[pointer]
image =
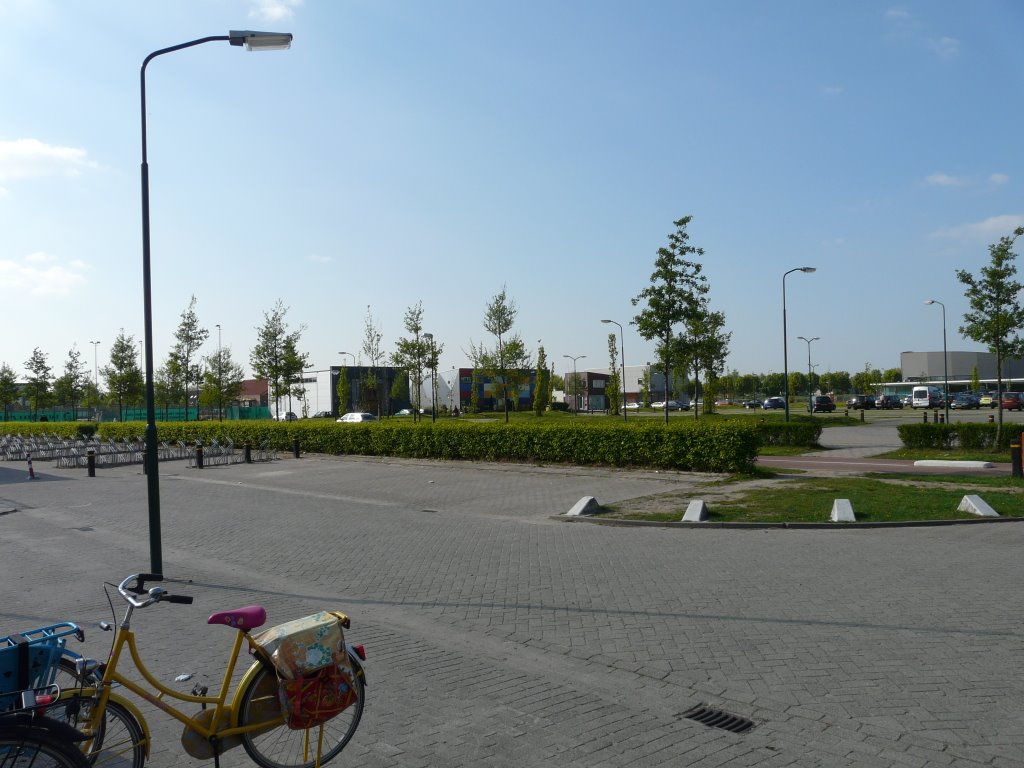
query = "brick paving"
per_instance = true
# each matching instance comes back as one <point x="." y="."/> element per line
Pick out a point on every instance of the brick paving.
<point x="498" y="636"/>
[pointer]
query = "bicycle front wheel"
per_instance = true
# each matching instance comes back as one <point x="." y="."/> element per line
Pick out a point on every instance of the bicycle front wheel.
<point x="283" y="747"/>
<point x="38" y="748"/>
<point x="117" y="741"/>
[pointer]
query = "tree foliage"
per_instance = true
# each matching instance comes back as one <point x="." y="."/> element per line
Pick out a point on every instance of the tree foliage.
<point x="125" y="381"/>
<point x="412" y="354"/>
<point x="995" y="318"/>
<point x="276" y="356"/>
<point x="614" y="387"/>
<point x="542" y="389"/>
<point x="9" y="389"/>
<point x="506" y="362"/>
<point x="222" y="381"/>
<point x="189" y="338"/>
<point x="676" y="295"/>
<point x="69" y="388"/>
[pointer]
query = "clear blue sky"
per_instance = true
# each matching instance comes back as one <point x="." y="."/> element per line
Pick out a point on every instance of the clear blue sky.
<point x="405" y="151"/>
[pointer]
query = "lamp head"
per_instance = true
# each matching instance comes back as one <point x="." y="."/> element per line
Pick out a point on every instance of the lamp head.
<point x="929" y="301"/>
<point x="808" y="269"/>
<point x="260" y="41"/>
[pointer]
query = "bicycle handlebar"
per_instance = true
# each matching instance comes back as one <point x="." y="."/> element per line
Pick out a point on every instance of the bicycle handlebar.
<point x="153" y="595"/>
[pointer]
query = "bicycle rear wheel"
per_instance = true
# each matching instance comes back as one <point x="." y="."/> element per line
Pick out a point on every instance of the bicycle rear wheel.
<point x="283" y="747"/>
<point x="119" y="740"/>
<point x="37" y="748"/>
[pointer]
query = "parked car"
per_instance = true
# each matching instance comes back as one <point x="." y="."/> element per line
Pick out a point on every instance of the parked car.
<point x="822" y="404"/>
<point x="289" y="416"/>
<point x="908" y="400"/>
<point x="1013" y="401"/>
<point x="673" y="405"/>
<point x="773" y="403"/>
<point x="355" y="417"/>
<point x="964" y="401"/>
<point x="926" y="397"/>
<point x="322" y="415"/>
<point x="632" y="406"/>
<point x="752" y="404"/>
<point x="888" y="402"/>
<point x="861" y="403"/>
<point x="987" y="400"/>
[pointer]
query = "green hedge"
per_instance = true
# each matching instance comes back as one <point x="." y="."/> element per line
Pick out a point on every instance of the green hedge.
<point x="805" y="434"/>
<point x="66" y="429"/>
<point x="701" y="446"/>
<point x="962" y="435"/>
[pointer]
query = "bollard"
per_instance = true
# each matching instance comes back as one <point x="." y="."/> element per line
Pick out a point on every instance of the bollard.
<point x="31" y="472"/>
<point x="295" y="447"/>
<point x="942" y="418"/>
<point x="248" y="452"/>
<point x="1015" y="459"/>
<point x="991" y="418"/>
<point x="862" y="414"/>
<point x="90" y="462"/>
<point x="199" y="457"/>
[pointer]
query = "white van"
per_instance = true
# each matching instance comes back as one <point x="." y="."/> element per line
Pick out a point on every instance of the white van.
<point x="926" y="397"/>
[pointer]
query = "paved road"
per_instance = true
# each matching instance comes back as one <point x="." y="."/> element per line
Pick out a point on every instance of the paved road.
<point x="499" y="636"/>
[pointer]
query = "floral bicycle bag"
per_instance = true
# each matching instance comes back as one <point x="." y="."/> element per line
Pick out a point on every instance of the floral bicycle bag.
<point x="315" y="678"/>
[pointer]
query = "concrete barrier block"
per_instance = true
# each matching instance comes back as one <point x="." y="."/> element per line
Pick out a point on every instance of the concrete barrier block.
<point x="976" y="506"/>
<point x="696" y="512"/>
<point x="586" y="506"/>
<point x="842" y="511"/>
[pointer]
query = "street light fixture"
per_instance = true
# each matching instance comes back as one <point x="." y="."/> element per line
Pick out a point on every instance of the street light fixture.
<point x="432" y="364"/>
<point x="785" y="353"/>
<point x="622" y="339"/>
<point x="253" y="41"/>
<point x="350" y="355"/>
<point x="945" y="360"/>
<point x="810" y="405"/>
<point x="575" y="385"/>
<point x="220" y="383"/>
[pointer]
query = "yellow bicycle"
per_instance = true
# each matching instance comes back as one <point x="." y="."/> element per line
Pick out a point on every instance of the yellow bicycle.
<point x="117" y="733"/>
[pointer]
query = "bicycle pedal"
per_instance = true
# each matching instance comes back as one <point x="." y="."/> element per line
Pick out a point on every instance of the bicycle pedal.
<point x="200" y="690"/>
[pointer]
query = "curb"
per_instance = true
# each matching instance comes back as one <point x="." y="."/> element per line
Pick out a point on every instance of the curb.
<point x="779" y="526"/>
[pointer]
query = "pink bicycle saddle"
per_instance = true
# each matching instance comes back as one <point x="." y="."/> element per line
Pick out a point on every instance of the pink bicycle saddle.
<point x="249" y="617"/>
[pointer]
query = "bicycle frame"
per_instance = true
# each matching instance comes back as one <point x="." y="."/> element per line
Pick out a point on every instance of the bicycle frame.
<point x="222" y="712"/>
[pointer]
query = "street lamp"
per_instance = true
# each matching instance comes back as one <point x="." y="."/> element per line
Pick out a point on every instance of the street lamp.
<point x="785" y="354"/>
<point x="810" y="405"/>
<point x="575" y="385"/>
<point x="253" y="41"/>
<point x="945" y="361"/>
<point x="350" y="355"/>
<point x="622" y="339"/>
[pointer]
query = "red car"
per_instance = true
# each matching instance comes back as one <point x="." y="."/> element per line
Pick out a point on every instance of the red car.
<point x="1013" y="401"/>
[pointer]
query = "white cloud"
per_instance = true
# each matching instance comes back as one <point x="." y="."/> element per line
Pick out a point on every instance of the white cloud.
<point x="944" y="180"/>
<point x="320" y="259"/>
<point x="999" y="178"/>
<point x="832" y="90"/>
<point x="897" y="12"/>
<point x="945" y="47"/>
<point x="30" y="278"/>
<point x="989" y="230"/>
<point x="25" y="158"/>
<point x="274" y="10"/>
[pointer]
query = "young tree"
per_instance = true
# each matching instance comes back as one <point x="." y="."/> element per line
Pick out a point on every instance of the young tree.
<point x="613" y="389"/>
<point x="167" y="388"/>
<point x="996" y="319"/>
<point x="412" y="353"/>
<point x="70" y="387"/>
<point x="675" y="295"/>
<point x="125" y="381"/>
<point x="38" y="387"/>
<point x="9" y="389"/>
<point x="975" y="380"/>
<point x="372" y="337"/>
<point x="222" y="381"/>
<point x="709" y="349"/>
<point x="645" y="388"/>
<point x="541" y="389"/>
<point x="344" y="391"/>
<point x="276" y="357"/>
<point x="189" y="339"/>
<point x="510" y="355"/>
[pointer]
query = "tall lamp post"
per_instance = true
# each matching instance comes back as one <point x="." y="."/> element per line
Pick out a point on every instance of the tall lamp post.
<point x="810" y="405"/>
<point x="945" y="359"/>
<point x="253" y="41"/>
<point x="95" y="375"/>
<point x="785" y="352"/>
<point x="432" y="364"/>
<point x="575" y="385"/>
<point x="622" y="339"/>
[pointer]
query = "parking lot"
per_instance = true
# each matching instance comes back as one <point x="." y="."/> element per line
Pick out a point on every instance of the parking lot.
<point x="498" y="635"/>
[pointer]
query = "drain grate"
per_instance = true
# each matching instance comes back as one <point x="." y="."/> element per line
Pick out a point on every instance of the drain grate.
<point x="717" y="718"/>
